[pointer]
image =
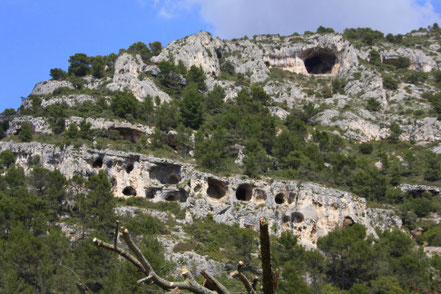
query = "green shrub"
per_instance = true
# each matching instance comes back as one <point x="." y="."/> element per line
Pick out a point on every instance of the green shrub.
<point x="373" y="105"/>
<point x="389" y="82"/>
<point x="366" y="148"/>
<point x="25" y="133"/>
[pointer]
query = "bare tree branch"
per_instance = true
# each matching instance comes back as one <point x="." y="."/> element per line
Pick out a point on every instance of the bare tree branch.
<point x="120" y="251"/>
<point x="218" y="287"/>
<point x="255" y="281"/>
<point x="238" y="274"/>
<point x="115" y="240"/>
<point x="82" y="287"/>
<point x="144" y="266"/>
<point x="267" y="281"/>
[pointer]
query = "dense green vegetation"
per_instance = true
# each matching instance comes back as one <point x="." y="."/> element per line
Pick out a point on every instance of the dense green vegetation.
<point x="37" y="257"/>
<point x="212" y="132"/>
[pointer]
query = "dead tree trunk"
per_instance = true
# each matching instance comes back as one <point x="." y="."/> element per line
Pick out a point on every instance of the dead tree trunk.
<point x="211" y="285"/>
<point x="265" y="253"/>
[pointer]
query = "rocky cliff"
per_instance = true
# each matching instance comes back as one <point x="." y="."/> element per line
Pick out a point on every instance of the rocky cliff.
<point x="308" y="210"/>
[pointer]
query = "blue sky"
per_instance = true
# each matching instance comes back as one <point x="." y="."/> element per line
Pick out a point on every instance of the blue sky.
<point x="37" y="35"/>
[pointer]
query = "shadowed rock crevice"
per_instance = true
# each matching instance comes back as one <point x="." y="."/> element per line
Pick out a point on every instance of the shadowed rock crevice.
<point x="129" y="134"/>
<point x="216" y="189"/>
<point x="166" y="174"/>
<point x="129" y="168"/>
<point x="177" y="196"/>
<point x="150" y="193"/>
<point x="319" y="60"/>
<point x="348" y="221"/>
<point x="98" y="163"/>
<point x="297" y="217"/>
<point x="244" y="192"/>
<point x="129" y="191"/>
<point x="280" y="198"/>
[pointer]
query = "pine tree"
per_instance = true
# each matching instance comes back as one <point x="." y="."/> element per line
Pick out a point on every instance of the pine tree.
<point x="191" y="107"/>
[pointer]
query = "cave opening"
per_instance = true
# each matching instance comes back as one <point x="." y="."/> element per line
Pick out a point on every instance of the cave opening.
<point x="150" y="193"/>
<point x="177" y="196"/>
<point x="98" y="163"/>
<point x="320" y="62"/>
<point x="173" y="179"/>
<point x="280" y="198"/>
<point x="129" y="191"/>
<point x="297" y="217"/>
<point x="244" y="192"/>
<point x="348" y="221"/>
<point x="129" y="168"/>
<point x="216" y="189"/>
<point x="166" y="174"/>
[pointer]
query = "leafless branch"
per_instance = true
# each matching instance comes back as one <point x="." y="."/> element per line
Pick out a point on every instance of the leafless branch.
<point x="238" y="274"/>
<point x="139" y="260"/>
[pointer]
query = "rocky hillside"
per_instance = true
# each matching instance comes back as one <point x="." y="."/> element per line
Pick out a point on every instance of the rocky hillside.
<point x="315" y="132"/>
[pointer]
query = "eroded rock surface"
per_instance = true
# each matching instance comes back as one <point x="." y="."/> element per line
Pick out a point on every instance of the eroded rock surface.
<point x="308" y="210"/>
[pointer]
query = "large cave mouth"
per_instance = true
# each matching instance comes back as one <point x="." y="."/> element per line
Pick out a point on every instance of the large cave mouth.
<point x="319" y="62"/>
<point x="244" y="192"/>
<point x="216" y="189"/>
<point x="166" y="174"/>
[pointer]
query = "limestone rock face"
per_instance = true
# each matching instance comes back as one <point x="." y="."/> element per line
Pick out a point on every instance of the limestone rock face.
<point x="295" y="57"/>
<point x="354" y="126"/>
<point x="200" y="50"/>
<point x="48" y="87"/>
<point x="38" y="125"/>
<point x="69" y="100"/>
<point x="308" y="210"/>
<point x="256" y="57"/>
<point x="126" y="78"/>
<point x="418" y="59"/>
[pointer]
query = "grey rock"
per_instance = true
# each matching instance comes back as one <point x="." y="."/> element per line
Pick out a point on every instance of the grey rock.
<point x="126" y="77"/>
<point x="48" y="87"/>
<point x="301" y="208"/>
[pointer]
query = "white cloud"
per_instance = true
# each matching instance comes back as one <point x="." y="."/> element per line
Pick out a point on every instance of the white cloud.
<point x="235" y="18"/>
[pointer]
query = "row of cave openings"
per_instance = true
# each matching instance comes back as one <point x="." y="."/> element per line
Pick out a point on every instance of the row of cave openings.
<point x="244" y="192"/>
<point x="165" y="174"/>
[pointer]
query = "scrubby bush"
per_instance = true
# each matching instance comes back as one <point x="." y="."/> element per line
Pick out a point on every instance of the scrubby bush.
<point x="25" y="133"/>
<point x="366" y="148"/>
<point x="389" y="82"/>
<point x="373" y="105"/>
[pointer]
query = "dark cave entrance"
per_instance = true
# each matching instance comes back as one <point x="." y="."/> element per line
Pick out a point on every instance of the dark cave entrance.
<point x="319" y="62"/>
<point x="297" y="217"/>
<point x="166" y="174"/>
<point x="280" y="198"/>
<point x="98" y="163"/>
<point x="129" y="191"/>
<point x="177" y="196"/>
<point x="244" y="192"/>
<point x="216" y="189"/>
